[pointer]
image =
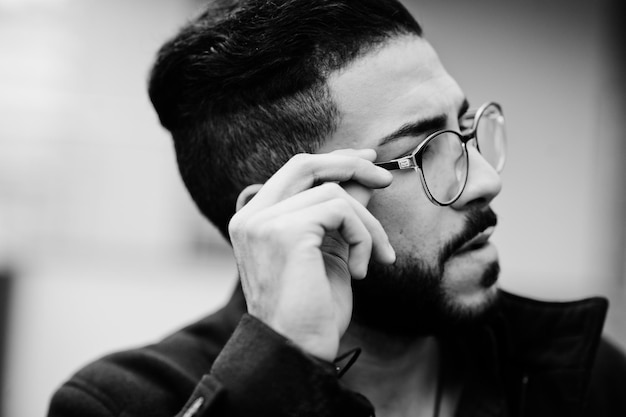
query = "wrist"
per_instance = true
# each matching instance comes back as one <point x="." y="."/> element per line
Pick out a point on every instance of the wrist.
<point x="323" y="344"/>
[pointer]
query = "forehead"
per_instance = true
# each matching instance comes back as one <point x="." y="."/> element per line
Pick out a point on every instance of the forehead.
<point x="399" y="83"/>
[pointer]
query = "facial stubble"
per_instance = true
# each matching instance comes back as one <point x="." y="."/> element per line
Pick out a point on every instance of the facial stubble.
<point x="410" y="298"/>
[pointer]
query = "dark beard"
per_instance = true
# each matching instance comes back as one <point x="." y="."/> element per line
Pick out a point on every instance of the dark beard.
<point x="409" y="299"/>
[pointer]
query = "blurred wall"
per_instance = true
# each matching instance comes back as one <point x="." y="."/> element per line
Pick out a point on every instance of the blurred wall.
<point x="94" y="220"/>
<point x="554" y="66"/>
<point x="109" y="251"/>
<point x="546" y="62"/>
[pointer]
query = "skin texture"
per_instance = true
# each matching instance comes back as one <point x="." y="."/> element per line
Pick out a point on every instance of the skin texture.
<point x="402" y="83"/>
<point x="298" y="245"/>
<point x="294" y="279"/>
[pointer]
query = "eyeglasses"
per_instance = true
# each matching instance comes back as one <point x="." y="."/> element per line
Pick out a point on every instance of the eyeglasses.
<point x="442" y="161"/>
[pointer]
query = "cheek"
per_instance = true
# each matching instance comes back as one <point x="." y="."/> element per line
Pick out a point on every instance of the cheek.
<point x="412" y="222"/>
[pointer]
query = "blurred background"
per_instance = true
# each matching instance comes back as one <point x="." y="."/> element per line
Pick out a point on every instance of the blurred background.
<point x="101" y="249"/>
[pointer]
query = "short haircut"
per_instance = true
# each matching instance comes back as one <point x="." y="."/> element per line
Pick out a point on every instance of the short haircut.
<point x="242" y="87"/>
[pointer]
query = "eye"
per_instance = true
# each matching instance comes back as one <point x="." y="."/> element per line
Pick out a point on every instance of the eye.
<point x="466" y="121"/>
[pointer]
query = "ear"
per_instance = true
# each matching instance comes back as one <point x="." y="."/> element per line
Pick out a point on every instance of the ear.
<point x="247" y="194"/>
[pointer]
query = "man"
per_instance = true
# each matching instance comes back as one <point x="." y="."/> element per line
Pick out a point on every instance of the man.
<point x="325" y="139"/>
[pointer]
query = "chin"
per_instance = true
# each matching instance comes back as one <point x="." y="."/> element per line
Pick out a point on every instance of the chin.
<point x="409" y="299"/>
<point x="471" y="296"/>
<point x="471" y="305"/>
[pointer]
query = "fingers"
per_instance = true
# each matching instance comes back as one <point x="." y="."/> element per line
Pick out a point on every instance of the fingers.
<point x="301" y="237"/>
<point x="336" y="215"/>
<point x="305" y="171"/>
<point x="332" y="208"/>
<point x="313" y="195"/>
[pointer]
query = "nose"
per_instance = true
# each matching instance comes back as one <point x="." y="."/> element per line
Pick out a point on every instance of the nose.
<point x="483" y="182"/>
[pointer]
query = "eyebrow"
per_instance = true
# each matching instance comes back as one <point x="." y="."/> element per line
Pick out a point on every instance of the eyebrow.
<point x="421" y="126"/>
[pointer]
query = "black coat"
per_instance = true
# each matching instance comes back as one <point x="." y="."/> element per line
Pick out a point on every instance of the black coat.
<point x="532" y="359"/>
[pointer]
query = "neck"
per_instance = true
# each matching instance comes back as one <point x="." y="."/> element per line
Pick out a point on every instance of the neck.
<point x="397" y="374"/>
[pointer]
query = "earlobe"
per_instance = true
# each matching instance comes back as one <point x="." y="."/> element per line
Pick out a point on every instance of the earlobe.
<point x="247" y="194"/>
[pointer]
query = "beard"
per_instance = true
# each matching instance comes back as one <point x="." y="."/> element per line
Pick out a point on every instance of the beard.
<point x="410" y="299"/>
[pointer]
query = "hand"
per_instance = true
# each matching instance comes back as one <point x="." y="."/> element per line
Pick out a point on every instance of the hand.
<point x="298" y="244"/>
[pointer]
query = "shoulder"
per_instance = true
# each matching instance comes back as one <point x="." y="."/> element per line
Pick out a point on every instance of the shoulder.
<point x="155" y="377"/>
<point x="610" y="361"/>
<point x="608" y="379"/>
<point x="160" y="377"/>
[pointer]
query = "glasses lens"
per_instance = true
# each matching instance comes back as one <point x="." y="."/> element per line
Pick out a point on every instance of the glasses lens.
<point x="491" y="137"/>
<point x="444" y="166"/>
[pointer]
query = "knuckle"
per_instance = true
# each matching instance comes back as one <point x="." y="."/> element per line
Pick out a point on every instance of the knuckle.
<point x="244" y="228"/>
<point x="300" y="159"/>
<point x="332" y="188"/>
<point x="234" y="226"/>
<point x="307" y="165"/>
<point x="368" y="240"/>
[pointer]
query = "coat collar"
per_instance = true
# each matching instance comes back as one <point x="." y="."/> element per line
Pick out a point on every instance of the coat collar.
<point x="532" y="358"/>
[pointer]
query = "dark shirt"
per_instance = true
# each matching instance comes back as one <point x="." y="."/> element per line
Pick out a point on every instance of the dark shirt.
<point x="531" y="359"/>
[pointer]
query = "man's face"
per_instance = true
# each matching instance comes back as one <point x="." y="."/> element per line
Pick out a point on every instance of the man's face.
<point x="400" y="84"/>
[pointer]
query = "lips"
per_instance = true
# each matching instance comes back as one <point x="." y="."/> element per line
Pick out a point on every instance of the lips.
<point x="479" y="226"/>
<point x="477" y="241"/>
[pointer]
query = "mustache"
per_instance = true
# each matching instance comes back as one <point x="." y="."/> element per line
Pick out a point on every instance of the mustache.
<point x="477" y="220"/>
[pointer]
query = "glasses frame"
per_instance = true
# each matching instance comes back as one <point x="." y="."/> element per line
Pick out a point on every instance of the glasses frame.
<point x="411" y="161"/>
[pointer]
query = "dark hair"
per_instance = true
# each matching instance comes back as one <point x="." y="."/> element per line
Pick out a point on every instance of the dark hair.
<point x="242" y="87"/>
